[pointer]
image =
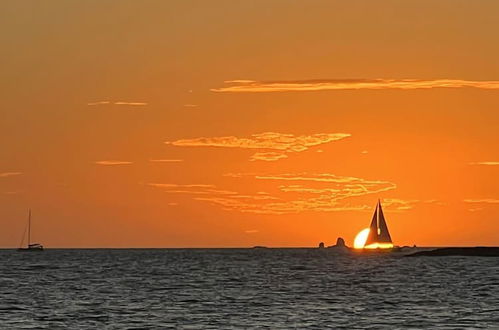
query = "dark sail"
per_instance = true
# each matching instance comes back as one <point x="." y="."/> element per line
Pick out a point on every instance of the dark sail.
<point x="373" y="229"/>
<point x="379" y="236"/>
<point x="383" y="234"/>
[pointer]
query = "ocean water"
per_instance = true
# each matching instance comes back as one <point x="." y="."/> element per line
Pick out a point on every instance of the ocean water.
<point x="244" y="289"/>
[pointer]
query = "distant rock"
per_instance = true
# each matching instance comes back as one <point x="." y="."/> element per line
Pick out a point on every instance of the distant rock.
<point x="321" y="245"/>
<point x="340" y="245"/>
<point x="340" y="242"/>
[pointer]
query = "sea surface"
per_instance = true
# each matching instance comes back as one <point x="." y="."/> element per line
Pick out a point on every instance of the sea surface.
<point x="245" y="289"/>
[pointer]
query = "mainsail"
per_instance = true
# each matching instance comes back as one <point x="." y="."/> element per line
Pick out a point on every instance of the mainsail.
<point x="383" y="233"/>
<point x="373" y="229"/>
<point x="378" y="230"/>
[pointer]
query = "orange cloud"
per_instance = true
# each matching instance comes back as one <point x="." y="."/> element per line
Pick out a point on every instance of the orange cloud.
<point x="292" y="198"/>
<point x="321" y="204"/>
<point x="283" y="143"/>
<point x="238" y="86"/>
<point x="193" y="189"/>
<point x="98" y="103"/>
<point x="166" y="160"/>
<point x="116" y="103"/>
<point x="251" y="231"/>
<point x="320" y="177"/>
<point x="268" y="156"/>
<point x="130" y="103"/>
<point x="174" y="185"/>
<point x="7" y="174"/>
<point x="484" y="200"/>
<point x="481" y="203"/>
<point x="399" y="204"/>
<point x="484" y="163"/>
<point x="112" y="162"/>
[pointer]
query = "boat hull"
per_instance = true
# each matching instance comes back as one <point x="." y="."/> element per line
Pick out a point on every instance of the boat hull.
<point x="40" y="249"/>
<point x="377" y="251"/>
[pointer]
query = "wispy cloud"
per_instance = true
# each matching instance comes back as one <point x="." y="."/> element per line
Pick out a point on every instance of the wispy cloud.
<point x="251" y="231"/>
<point x="98" y="103"/>
<point x="434" y="201"/>
<point x="331" y="195"/>
<point x="174" y="185"/>
<point x="116" y="103"/>
<point x="112" y="162"/>
<point x="238" y="86"/>
<point x="191" y="189"/>
<point x="483" y="200"/>
<point x="319" y="204"/>
<point x="166" y="160"/>
<point x="349" y="181"/>
<point x="278" y="142"/>
<point x="485" y="163"/>
<point x="267" y="140"/>
<point x="399" y="204"/>
<point x="480" y="204"/>
<point x="7" y="174"/>
<point x="268" y="156"/>
<point x="130" y="103"/>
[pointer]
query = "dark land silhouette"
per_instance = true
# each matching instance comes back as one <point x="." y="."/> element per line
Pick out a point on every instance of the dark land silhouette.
<point x="480" y="251"/>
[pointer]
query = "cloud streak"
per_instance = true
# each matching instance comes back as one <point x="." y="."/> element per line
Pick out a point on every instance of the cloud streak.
<point x="483" y="201"/>
<point x="8" y="174"/>
<point x="268" y="156"/>
<point x="112" y="162"/>
<point x="331" y="194"/>
<point x="485" y="163"/>
<point x="97" y="103"/>
<point x="174" y="185"/>
<point x="274" y="145"/>
<point x="245" y="86"/>
<point x="166" y="160"/>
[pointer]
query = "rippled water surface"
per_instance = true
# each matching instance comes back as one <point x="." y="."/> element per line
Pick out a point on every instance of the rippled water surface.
<point x="244" y="288"/>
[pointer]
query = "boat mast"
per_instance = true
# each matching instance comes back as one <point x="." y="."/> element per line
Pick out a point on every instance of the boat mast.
<point x="378" y="208"/>
<point x="29" y="227"/>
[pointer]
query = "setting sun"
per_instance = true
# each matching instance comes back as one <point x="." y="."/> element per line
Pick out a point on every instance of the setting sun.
<point x="360" y="239"/>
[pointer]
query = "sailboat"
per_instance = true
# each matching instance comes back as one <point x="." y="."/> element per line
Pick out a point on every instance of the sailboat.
<point x="379" y="236"/>
<point x="31" y="247"/>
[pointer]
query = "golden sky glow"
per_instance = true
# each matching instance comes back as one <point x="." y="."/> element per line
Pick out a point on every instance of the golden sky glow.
<point x="267" y="122"/>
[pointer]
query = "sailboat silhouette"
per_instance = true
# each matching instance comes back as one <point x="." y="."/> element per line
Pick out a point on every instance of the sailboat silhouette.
<point x="379" y="236"/>
<point x="31" y="246"/>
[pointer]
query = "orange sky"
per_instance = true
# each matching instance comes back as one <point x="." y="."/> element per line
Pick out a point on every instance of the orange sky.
<point x="241" y="123"/>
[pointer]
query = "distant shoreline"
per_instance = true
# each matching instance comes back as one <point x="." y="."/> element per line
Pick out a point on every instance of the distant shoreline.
<point x="478" y="251"/>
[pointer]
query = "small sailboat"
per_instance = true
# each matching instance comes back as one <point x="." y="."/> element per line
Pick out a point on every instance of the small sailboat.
<point x="379" y="236"/>
<point x="31" y="247"/>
